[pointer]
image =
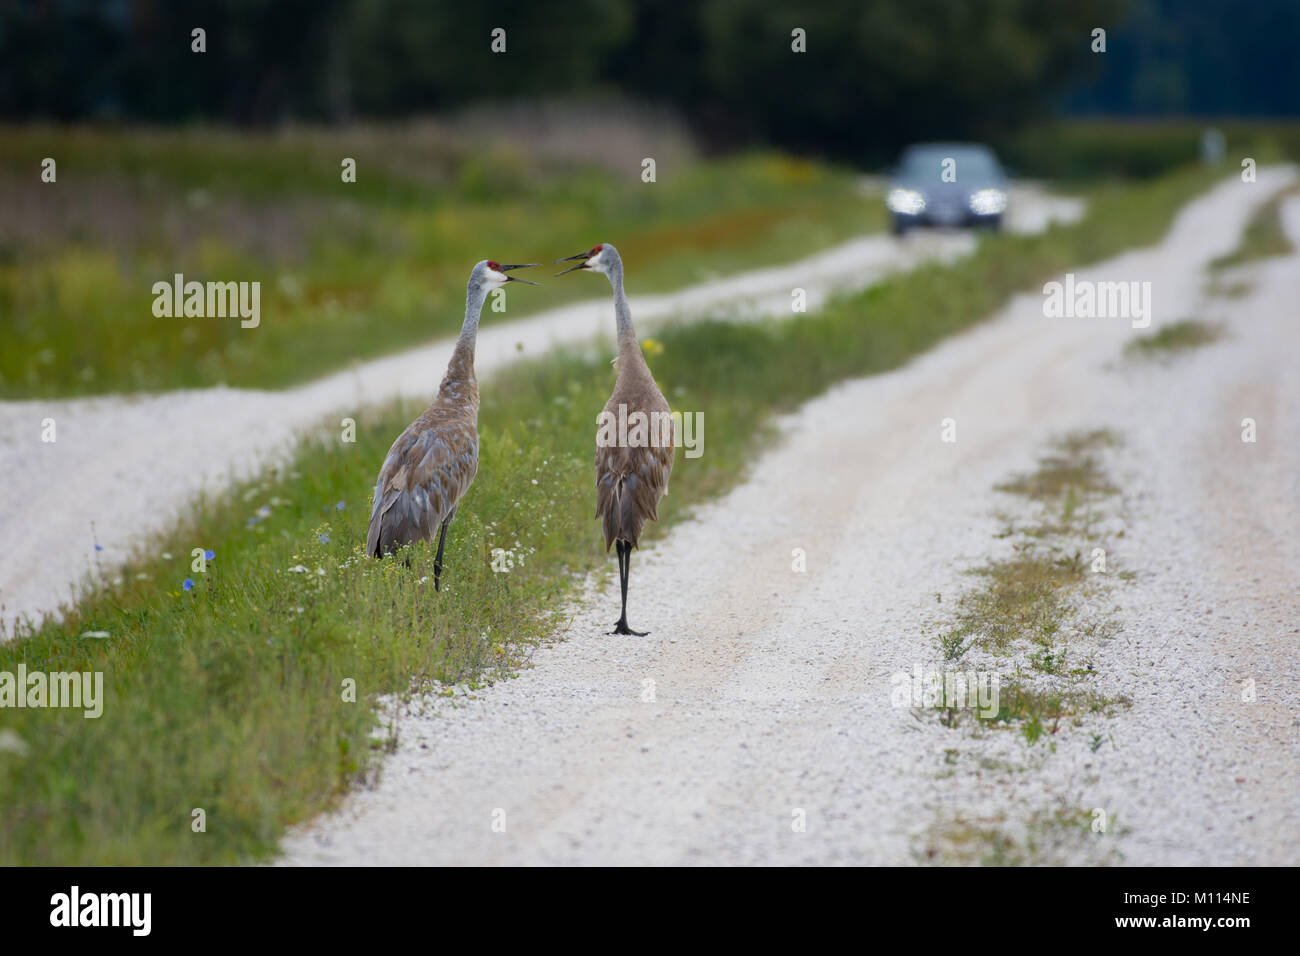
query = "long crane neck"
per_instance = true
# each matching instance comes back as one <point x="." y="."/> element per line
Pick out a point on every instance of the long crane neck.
<point x="629" y="350"/>
<point x="461" y="366"/>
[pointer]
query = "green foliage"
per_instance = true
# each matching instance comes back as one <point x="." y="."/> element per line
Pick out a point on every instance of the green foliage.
<point x="345" y="275"/>
<point x="1083" y="149"/>
<point x="1173" y="338"/>
<point x="1265" y="236"/>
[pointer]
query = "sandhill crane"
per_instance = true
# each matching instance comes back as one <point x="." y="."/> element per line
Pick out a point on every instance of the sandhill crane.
<point x="631" y="475"/>
<point x="432" y="463"/>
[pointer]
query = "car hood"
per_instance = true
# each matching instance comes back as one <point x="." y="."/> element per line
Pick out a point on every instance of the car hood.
<point x="938" y="190"/>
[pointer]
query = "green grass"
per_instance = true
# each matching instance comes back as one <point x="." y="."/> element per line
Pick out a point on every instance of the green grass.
<point x="1034" y="616"/>
<point x="347" y="271"/>
<point x="1174" y="338"/>
<point x="1264" y="237"/>
<point x="1028" y="598"/>
<point x="1086" y="149"/>
<point x="1052" y="836"/>
<point x="228" y="696"/>
<point x="1032" y="606"/>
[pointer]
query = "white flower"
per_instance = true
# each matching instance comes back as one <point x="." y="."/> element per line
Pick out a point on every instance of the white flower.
<point x="95" y="634"/>
<point x="11" y="743"/>
<point x="298" y="569"/>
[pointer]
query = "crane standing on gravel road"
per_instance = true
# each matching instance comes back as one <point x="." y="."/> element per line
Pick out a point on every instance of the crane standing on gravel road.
<point x="631" y="478"/>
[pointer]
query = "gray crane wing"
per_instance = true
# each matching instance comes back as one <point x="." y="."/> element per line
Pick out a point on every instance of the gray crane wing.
<point x="428" y="470"/>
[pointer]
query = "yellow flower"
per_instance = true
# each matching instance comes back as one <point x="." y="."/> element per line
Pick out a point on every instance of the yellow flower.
<point x="652" y="347"/>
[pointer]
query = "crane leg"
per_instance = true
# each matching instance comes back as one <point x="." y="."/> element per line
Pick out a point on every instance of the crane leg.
<point x="437" y="559"/>
<point x="624" y="572"/>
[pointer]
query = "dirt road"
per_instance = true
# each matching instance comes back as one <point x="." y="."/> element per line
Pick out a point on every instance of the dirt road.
<point x="762" y="693"/>
<point x="131" y="465"/>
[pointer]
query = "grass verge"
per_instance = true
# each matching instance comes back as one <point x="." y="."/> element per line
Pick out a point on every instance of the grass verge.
<point x="1174" y="339"/>
<point x="1265" y="236"/>
<point x="347" y="271"/>
<point x="230" y="696"/>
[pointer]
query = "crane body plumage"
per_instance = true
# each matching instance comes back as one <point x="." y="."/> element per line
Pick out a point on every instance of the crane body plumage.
<point x="433" y="462"/>
<point x="631" y="479"/>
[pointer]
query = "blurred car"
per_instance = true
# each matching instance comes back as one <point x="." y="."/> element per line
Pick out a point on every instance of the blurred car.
<point x="947" y="184"/>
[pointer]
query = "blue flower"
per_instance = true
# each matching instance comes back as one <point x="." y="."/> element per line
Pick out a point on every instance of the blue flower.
<point x="189" y="583"/>
<point x="324" y="538"/>
<point x="339" y="506"/>
<point x="209" y="555"/>
<point x="99" y="547"/>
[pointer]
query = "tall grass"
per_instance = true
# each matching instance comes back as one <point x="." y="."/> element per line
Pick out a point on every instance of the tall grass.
<point x="347" y="271"/>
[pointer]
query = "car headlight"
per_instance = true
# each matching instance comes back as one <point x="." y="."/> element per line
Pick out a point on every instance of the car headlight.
<point x="906" y="201"/>
<point x="988" y="202"/>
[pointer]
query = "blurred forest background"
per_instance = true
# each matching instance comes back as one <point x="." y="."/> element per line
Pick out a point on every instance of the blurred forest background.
<point x="876" y="75"/>
<point x="227" y="162"/>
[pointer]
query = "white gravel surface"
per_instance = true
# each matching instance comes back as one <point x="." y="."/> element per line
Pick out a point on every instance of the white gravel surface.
<point x="771" y="689"/>
<point x="132" y="465"/>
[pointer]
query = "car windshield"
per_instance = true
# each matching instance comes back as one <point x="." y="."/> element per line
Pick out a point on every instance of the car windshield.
<point x="971" y="163"/>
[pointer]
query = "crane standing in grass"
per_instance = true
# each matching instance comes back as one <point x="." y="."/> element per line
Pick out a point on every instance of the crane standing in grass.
<point x="631" y="477"/>
<point x="432" y="463"/>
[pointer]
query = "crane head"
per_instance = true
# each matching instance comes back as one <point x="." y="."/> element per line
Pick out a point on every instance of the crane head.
<point x="492" y="275"/>
<point x="599" y="259"/>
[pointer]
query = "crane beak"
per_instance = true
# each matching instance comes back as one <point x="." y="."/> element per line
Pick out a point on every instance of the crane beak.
<point x="581" y="265"/>
<point x="522" y="265"/>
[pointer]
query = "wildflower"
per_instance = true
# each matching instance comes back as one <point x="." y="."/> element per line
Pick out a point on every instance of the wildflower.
<point x="209" y="555"/>
<point x="98" y="546"/>
<point x="298" y="569"/>
<point x="264" y="511"/>
<point x="98" y="635"/>
<point x="11" y="743"/>
<point x="188" y="584"/>
<point x="339" y="506"/>
<point x="167" y="555"/>
<point x="324" y="538"/>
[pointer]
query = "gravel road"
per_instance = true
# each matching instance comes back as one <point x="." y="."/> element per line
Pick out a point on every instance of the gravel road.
<point x="761" y="693"/>
<point x="131" y="465"/>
